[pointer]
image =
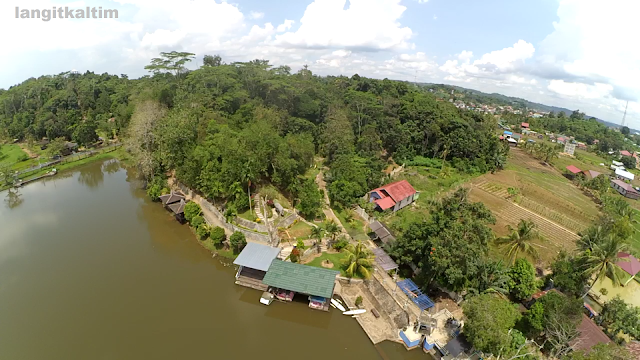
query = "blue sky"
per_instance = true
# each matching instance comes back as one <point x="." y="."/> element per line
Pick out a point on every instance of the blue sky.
<point x="569" y="53"/>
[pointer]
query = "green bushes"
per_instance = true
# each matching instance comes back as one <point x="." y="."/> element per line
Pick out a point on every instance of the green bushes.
<point x="359" y="301"/>
<point x="237" y="241"/>
<point x="191" y="210"/>
<point x="156" y="187"/>
<point x="341" y="243"/>
<point x="218" y="235"/>
<point x="196" y="221"/>
<point x="202" y="232"/>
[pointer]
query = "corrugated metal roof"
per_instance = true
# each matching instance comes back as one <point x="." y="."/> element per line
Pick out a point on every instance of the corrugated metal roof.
<point x="384" y="260"/>
<point x="385" y="203"/>
<point x="398" y="190"/>
<point x="631" y="265"/>
<point x="257" y="256"/>
<point x="573" y="169"/>
<point x="625" y="174"/>
<point x="590" y="335"/>
<point x="301" y="278"/>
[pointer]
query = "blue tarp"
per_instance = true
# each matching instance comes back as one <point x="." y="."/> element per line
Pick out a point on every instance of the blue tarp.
<point x="508" y="133"/>
<point x="413" y="291"/>
<point x="317" y="298"/>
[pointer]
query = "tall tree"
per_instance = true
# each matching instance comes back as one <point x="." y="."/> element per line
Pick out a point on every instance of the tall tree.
<point x="520" y="240"/>
<point x="173" y="62"/>
<point x="600" y="261"/>
<point x="358" y="260"/>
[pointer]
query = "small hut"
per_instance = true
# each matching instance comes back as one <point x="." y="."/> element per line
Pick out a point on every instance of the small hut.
<point x="178" y="210"/>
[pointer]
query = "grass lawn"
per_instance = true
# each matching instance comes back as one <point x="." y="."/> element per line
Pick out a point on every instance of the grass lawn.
<point x="355" y="228"/>
<point x="273" y="193"/>
<point x="208" y="244"/>
<point x="248" y="215"/>
<point x="335" y="258"/>
<point x="119" y="154"/>
<point x="13" y="155"/>
<point x="299" y="230"/>
<point x="432" y="183"/>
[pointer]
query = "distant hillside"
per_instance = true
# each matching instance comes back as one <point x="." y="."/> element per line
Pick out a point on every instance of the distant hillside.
<point x="503" y="100"/>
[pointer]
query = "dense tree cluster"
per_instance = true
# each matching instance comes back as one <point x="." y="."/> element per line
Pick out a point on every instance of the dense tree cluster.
<point x="224" y="126"/>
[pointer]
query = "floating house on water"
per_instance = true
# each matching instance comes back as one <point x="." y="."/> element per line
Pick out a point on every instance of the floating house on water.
<point x="254" y="261"/>
<point x="291" y="278"/>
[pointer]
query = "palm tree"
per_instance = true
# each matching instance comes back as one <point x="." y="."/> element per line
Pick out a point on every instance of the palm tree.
<point x="520" y="240"/>
<point x="332" y="229"/>
<point x="491" y="278"/>
<point x="593" y="236"/>
<point x="601" y="260"/>
<point x="316" y="233"/>
<point x="358" y="261"/>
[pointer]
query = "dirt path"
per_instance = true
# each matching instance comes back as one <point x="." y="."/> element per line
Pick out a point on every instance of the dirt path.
<point x="328" y="212"/>
<point x="31" y="154"/>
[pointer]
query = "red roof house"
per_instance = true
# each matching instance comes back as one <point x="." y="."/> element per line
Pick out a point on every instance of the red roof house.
<point x="625" y="153"/>
<point x="590" y="335"/>
<point x="524" y="125"/>
<point x="591" y="174"/>
<point x="574" y="170"/>
<point x="393" y="196"/>
<point x="629" y="264"/>
<point x="625" y="189"/>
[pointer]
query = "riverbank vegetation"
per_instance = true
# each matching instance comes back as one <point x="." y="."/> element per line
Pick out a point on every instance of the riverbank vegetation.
<point x="229" y="130"/>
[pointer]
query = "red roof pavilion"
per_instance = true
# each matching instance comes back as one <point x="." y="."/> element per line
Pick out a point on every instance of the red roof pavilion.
<point x="573" y="169"/>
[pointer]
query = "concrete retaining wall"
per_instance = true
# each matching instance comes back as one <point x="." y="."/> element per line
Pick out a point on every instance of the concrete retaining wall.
<point x="287" y="221"/>
<point x="251" y="225"/>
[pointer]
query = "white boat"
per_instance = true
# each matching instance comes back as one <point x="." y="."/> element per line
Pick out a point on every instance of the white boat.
<point x="354" y="312"/>
<point x="337" y="305"/>
<point x="266" y="298"/>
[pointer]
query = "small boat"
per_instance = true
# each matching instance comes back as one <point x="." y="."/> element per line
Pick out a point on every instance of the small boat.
<point x="354" y="312"/>
<point x="266" y="298"/>
<point x="337" y="305"/>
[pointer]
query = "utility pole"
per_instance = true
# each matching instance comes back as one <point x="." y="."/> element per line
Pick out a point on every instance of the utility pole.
<point x="624" y="117"/>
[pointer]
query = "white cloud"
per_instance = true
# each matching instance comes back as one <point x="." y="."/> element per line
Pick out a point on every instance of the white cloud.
<point x="366" y="24"/>
<point x="435" y="17"/>
<point x="256" y="15"/>
<point x="580" y="90"/>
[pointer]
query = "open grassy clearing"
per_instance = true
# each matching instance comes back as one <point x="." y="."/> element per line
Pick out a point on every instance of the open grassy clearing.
<point x="272" y="193"/>
<point x="432" y="183"/>
<point x="355" y="227"/>
<point x="300" y="230"/>
<point x="335" y="258"/>
<point x="13" y="155"/>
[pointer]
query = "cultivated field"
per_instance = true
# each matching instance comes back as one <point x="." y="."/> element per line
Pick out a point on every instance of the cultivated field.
<point x="542" y="194"/>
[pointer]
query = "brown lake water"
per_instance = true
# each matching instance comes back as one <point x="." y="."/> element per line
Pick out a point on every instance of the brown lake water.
<point x="91" y="269"/>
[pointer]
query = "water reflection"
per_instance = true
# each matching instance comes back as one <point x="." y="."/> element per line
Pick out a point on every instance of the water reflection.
<point x="13" y="198"/>
<point x="111" y="166"/>
<point x="91" y="176"/>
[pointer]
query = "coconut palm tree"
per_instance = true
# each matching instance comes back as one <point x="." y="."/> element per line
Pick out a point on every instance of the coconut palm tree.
<point x="601" y="261"/>
<point x="317" y="233"/>
<point x="520" y="240"/>
<point x="332" y="229"/>
<point x="593" y="235"/>
<point x="358" y="260"/>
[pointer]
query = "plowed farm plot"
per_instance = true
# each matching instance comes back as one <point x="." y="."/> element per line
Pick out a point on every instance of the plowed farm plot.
<point x="555" y="236"/>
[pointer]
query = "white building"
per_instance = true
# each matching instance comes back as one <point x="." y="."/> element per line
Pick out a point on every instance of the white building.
<point x="624" y="175"/>
<point x="569" y="148"/>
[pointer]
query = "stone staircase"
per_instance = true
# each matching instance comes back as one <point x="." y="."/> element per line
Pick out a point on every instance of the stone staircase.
<point x="258" y="210"/>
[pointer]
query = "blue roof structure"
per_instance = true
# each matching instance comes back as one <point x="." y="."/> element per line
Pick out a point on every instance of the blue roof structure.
<point x="508" y="133"/>
<point x="413" y="292"/>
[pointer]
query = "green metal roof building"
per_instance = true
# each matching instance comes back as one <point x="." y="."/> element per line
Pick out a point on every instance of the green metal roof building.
<point x="301" y="278"/>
